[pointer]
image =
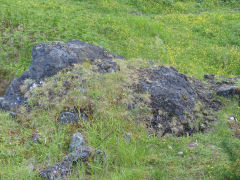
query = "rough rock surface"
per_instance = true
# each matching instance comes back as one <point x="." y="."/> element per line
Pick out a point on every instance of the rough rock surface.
<point x="68" y="117"/>
<point x="227" y="91"/>
<point x="77" y="141"/>
<point x="180" y="104"/>
<point x="36" y="138"/>
<point x="79" y="152"/>
<point x="63" y="169"/>
<point x="48" y="59"/>
<point x="227" y="87"/>
<point x="72" y="117"/>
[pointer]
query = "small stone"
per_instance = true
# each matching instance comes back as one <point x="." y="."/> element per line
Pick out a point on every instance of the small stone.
<point x="36" y="137"/>
<point x="83" y="90"/>
<point x="84" y="117"/>
<point x="99" y="155"/>
<point x="232" y="120"/>
<point x="68" y="117"/>
<point x="227" y="91"/>
<point x="209" y="76"/>
<point x="180" y="153"/>
<point x="193" y="145"/>
<point x="128" y="137"/>
<point x="107" y="66"/>
<point x="63" y="169"/>
<point x="13" y="114"/>
<point x="76" y="142"/>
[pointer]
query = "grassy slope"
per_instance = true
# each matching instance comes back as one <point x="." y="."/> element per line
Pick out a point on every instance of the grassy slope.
<point x="196" y="37"/>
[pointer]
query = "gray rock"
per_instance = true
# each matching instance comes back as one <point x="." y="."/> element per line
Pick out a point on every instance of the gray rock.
<point x="63" y="169"/>
<point x="193" y="145"/>
<point x="68" y="117"/>
<point x="212" y="146"/>
<point x="180" y="153"/>
<point x="48" y="59"/>
<point x="228" y="91"/>
<point x="177" y="101"/>
<point x="107" y="66"/>
<point x="209" y="76"/>
<point x="170" y="90"/>
<point x="36" y="138"/>
<point x="10" y="102"/>
<point x="99" y="155"/>
<point x="76" y="142"/>
<point x="14" y="115"/>
<point x="79" y="152"/>
<point x="84" y="117"/>
<point x="57" y="171"/>
<point x="224" y="86"/>
<point x="128" y="137"/>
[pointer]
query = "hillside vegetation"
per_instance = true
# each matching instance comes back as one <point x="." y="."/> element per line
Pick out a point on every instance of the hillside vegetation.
<point x="197" y="37"/>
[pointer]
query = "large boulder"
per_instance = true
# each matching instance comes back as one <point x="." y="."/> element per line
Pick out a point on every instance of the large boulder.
<point x="48" y="59"/>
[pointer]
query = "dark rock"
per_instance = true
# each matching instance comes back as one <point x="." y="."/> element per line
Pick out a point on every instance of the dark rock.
<point x="128" y="137"/>
<point x="77" y="141"/>
<point x="14" y="115"/>
<point x="99" y="155"/>
<point x="177" y="101"/>
<point x="48" y="59"/>
<point x="209" y="76"/>
<point x="223" y="86"/>
<point x="36" y="138"/>
<point x="61" y="170"/>
<point x="83" y="90"/>
<point x="84" y="117"/>
<point x="79" y="152"/>
<point x="107" y="66"/>
<point x="180" y="153"/>
<point x="68" y="117"/>
<point x="228" y="91"/>
<point x="171" y="91"/>
<point x="193" y="145"/>
<point x="9" y="103"/>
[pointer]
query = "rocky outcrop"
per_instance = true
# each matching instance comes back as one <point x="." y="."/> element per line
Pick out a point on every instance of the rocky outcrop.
<point x="179" y="104"/>
<point x="48" y="59"/>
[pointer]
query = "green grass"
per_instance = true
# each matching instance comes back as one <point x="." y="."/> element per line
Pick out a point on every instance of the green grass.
<point x="197" y="37"/>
